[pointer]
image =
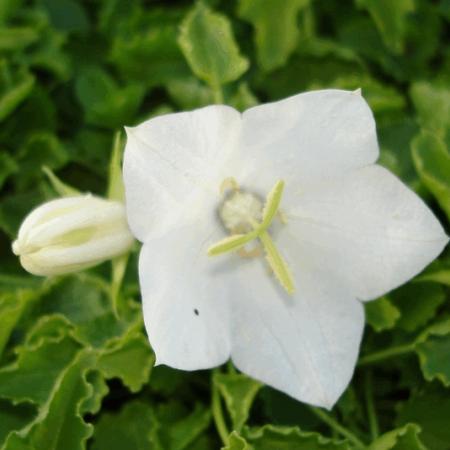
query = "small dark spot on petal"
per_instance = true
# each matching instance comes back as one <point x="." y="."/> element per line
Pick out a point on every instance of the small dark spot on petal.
<point x="196" y="312"/>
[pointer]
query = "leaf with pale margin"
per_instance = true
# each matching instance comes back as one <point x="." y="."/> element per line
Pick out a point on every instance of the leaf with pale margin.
<point x="131" y="360"/>
<point x="207" y="41"/>
<point x="432" y="103"/>
<point x="276" y="28"/>
<point x="271" y="437"/>
<point x="433" y="349"/>
<point x="32" y="377"/>
<point x="432" y="161"/>
<point x="430" y="409"/>
<point x="405" y="438"/>
<point x="12" y="305"/>
<point x="59" y="423"/>
<point x="236" y="442"/>
<point x="239" y="392"/>
<point x="417" y="303"/>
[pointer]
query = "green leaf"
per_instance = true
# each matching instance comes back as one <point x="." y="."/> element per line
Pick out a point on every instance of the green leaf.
<point x="59" y="423"/>
<point x="276" y="29"/>
<point x="390" y="18"/>
<point x="39" y="364"/>
<point x="418" y="303"/>
<point x="129" y="429"/>
<point x="432" y="103"/>
<point x="395" y="134"/>
<point x="243" y="98"/>
<point x="7" y="167"/>
<point x="85" y="301"/>
<point x="14" y="88"/>
<point x="430" y="409"/>
<point x="270" y="437"/>
<point x="175" y="428"/>
<point x="130" y="359"/>
<point x="104" y="102"/>
<point x="239" y="392"/>
<point x="433" y="348"/>
<point x="438" y="272"/>
<point x="405" y="438"/>
<point x="432" y="161"/>
<point x="14" y="418"/>
<point x="208" y="44"/>
<point x="154" y="33"/>
<point x="189" y="92"/>
<point x="17" y="38"/>
<point x="66" y="15"/>
<point x="41" y="149"/>
<point x="12" y="306"/>
<point x="236" y="442"/>
<point x="381" y="314"/>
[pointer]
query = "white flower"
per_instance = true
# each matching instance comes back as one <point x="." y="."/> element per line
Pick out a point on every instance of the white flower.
<point x="72" y="233"/>
<point x="350" y="232"/>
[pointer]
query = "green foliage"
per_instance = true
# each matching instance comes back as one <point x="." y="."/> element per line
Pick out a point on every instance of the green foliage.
<point x="276" y="30"/>
<point x="208" y="44"/>
<point x="432" y="161"/>
<point x="405" y="438"/>
<point x="238" y="391"/>
<point x="76" y="368"/>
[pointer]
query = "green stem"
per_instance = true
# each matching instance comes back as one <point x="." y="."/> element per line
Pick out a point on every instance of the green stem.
<point x="219" y="420"/>
<point x="370" y="405"/>
<point x="334" y="425"/>
<point x="217" y="93"/>
<point x="386" y="354"/>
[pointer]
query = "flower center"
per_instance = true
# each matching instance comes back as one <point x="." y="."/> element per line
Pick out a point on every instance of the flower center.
<point x="240" y="210"/>
<point x="244" y="216"/>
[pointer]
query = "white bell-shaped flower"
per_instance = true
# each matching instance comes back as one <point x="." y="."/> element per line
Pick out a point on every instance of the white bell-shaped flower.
<point x="71" y="234"/>
<point x="336" y="230"/>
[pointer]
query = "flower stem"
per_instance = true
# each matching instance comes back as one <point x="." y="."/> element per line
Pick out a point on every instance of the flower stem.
<point x="370" y="405"/>
<point x="386" y="354"/>
<point x="217" y="93"/>
<point x="216" y="406"/>
<point x="334" y="425"/>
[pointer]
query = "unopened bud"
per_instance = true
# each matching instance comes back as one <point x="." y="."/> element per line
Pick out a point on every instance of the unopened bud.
<point x="71" y="234"/>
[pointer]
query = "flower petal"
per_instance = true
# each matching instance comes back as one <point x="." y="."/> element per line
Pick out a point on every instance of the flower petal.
<point x="307" y="137"/>
<point x="185" y="301"/>
<point x="368" y="228"/>
<point x="305" y="345"/>
<point x="173" y="165"/>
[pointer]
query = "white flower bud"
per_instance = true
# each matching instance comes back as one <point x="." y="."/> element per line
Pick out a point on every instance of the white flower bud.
<point x="71" y="234"/>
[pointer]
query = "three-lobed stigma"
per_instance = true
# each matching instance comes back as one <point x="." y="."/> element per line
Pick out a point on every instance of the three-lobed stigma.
<point x="243" y="214"/>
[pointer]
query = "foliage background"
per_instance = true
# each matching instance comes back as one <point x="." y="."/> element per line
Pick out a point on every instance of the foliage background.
<point x="73" y="374"/>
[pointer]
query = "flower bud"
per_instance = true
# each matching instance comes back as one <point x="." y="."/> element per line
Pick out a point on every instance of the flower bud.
<point x="71" y="234"/>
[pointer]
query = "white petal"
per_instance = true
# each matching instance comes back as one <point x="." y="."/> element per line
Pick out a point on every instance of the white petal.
<point x="310" y="136"/>
<point x="368" y="229"/>
<point x="185" y="299"/>
<point x="173" y="166"/>
<point x="305" y="345"/>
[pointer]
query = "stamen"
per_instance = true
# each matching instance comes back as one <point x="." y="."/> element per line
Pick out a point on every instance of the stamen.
<point x="229" y="183"/>
<point x="236" y="242"/>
